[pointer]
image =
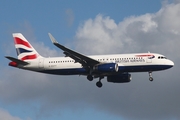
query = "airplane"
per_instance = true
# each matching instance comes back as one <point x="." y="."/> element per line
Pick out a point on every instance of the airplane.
<point x="116" y="67"/>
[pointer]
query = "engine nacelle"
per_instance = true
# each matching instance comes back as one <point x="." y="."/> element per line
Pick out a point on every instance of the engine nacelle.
<point x="121" y="78"/>
<point x="106" y="67"/>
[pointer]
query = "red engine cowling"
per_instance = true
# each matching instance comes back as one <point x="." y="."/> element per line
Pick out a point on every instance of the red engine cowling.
<point x="121" y="78"/>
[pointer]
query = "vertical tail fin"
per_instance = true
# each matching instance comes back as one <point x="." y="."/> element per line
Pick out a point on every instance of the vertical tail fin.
<point x="24" y="49"/>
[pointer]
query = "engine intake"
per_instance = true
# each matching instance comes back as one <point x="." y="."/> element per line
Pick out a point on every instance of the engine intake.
<point x="121" y="78"/>
<point x="106" y="67"/>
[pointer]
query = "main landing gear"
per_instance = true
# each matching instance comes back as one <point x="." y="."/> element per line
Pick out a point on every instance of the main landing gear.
<point x="90" y="77"/>
<point x="99" y="83"/>
<point x="150" y="76"/>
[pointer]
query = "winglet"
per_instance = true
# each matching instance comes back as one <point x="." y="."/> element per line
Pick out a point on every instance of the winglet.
<point x="52" y="38"/>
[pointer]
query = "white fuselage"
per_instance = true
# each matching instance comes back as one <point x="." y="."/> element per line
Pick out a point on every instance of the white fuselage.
<point x="138" y="62"/>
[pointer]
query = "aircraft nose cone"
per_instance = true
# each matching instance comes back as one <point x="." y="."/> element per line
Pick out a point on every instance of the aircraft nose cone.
<point x="171" y="63"/>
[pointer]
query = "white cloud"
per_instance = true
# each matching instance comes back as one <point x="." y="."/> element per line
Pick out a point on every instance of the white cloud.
<point x="69" y="17"/>
<point x="4" y="115"/>
<point x="44" y="50"/>
<point x="149" y="32"/>
<point x="96" y="34"/>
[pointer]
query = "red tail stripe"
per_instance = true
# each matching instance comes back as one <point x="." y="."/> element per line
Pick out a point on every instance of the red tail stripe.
<point x="21" y="42"/>
<point x="29" y="57"/>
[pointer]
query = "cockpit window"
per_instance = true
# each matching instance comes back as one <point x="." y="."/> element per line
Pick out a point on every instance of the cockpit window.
<point x="162" y="57"/>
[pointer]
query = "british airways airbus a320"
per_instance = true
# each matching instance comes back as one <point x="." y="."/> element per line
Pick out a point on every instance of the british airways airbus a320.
<point x="116" y="67"/>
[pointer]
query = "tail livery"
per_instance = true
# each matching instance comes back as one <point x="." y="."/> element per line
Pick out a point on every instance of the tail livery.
<point x="25" y="51"/>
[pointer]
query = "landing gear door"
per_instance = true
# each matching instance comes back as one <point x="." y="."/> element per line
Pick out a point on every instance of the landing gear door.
<point x="41" y="63"/>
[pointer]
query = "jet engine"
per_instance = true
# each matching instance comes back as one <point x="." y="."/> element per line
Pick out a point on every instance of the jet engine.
<point x="106" y="67"/>
<point x="121" y="78"/>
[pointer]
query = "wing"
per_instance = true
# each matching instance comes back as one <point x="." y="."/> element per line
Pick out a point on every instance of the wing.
<point x="82" y="59"/>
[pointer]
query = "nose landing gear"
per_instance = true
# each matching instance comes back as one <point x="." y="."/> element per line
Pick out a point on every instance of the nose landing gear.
<point x="150" y="76"/>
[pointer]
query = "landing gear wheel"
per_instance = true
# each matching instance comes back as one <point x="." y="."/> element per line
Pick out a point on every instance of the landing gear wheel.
<point x="99" y="84"/>
<point x="90" y="77"/>
<point x="151" y="78"/>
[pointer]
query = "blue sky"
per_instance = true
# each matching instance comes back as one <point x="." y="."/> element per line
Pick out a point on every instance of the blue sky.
<point x="137" y="25"/>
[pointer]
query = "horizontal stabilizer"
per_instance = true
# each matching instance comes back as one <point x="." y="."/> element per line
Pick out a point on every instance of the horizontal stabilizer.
<point x="17" y="60"/>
